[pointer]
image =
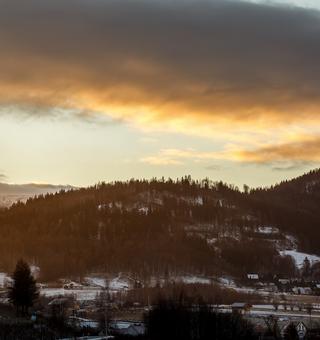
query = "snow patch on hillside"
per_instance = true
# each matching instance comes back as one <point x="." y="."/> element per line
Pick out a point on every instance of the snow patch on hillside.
<point x="299" y="257"/>
<point x="114" y="284"/>
<point x="195" y="280"/>
<point x="268" y="230"/>
<point x="96" y="282"/>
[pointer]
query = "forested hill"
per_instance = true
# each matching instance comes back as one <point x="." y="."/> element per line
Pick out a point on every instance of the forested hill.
<point x="301" y="193"/>
<point x="164" y="227"/>
<point x="294" y="206"/>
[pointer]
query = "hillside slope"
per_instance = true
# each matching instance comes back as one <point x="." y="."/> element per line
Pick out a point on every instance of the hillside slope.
<point x="294" y="206"/>
<point x="164" y="227"/>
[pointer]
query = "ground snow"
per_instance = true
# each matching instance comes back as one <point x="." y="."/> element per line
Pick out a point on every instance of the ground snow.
<point x="96" y="281"/>
<point x="79" y="294"/>
<point x="227" y="282"/>
<point x="114" y="284"/>
<point x="4" y="279"/>
<point x="268" y="230"/>
<point x="299" y="257"/>
<point x="118" y="284"/>
<point x="195" y="279"/>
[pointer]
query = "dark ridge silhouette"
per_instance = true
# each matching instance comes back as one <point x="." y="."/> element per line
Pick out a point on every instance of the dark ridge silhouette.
<point x="162" y="227"/>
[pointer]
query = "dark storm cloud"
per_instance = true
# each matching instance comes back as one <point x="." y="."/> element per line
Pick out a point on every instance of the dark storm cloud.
<point x="230" y="61"/>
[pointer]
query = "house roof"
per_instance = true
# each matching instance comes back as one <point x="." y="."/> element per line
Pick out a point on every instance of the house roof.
<point x="58" y="301"/>
<point x="128" y="327"/>
<point x="240" y="305"/>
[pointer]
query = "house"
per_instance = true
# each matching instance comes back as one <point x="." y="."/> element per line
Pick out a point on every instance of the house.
<point x="284" y="281"/>
<point x="302" y="290"/>
<point x="72" y="285"/>
<point x="268" y="230"/>
<point x="81" y="323"/>
<point x="127" y="328"/>
<point x="240" y="307"/>
<point x="252" y="276"/>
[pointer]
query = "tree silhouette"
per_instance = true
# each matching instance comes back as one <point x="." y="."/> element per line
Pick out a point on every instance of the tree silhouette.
<point x="306" y="269"/>
<point x="291" y="333"/>
<point x="24" y="291"/>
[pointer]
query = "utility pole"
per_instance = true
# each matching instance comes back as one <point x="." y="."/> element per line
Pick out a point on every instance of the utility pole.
<point x="106" y="299"/>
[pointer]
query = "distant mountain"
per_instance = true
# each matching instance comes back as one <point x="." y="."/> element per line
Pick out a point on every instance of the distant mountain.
<point x="12" y="193"/>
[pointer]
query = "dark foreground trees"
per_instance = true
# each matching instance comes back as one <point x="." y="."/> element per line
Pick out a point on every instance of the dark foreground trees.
<point x="24" y="291"/>
<point x="171" y="320"/>
<point x="291" y="333"/>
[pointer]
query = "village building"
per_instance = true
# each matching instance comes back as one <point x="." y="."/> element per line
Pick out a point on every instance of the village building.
<point x="127" y="328"/>
<point x="241" y="307"/>
<point x="284" y="281"/>
<point x="302" y="290"/>
<point x="253" y="276"/>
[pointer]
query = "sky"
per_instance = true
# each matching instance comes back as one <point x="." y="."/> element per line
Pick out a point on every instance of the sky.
<point x="103" y="90"/>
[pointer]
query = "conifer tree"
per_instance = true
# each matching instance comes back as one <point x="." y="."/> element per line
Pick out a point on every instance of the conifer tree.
<point x="306" y="269"/>
<point x="24" y="291"/>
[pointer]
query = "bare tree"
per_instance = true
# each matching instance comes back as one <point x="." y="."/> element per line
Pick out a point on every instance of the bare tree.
<point x="103" y="299"/>
<point x="272" y="326"/>
<point x="275" y="304"/>
<point x="309" y="309"/>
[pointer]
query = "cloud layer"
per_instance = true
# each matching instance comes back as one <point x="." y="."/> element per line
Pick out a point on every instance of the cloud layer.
<point x="3" y="177"/>
<point x="305" y="150"/>
<point x="208" y="68"/>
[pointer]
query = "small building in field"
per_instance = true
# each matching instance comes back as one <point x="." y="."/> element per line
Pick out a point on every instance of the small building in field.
<point x="284" y="281"/>
<point x="127" y="328"/>
<point x="253" y="276"/>
<point x="302" y="290"/>
<point x="241" y="307"/>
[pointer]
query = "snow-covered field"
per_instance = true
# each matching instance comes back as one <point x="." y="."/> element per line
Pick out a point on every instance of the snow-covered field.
<point x="114" y="284"/>
<point x="96" y="281"/>
<point x="187" y="279"/>
<point x="268" y="230"/>
<point x="193" y="280"/>
<point x="4" y="280"/>
<point x="300" y="257"/>
<point x="118" y="284"/>
<point x="227" y="282"/>
<point x="79" y="294"/>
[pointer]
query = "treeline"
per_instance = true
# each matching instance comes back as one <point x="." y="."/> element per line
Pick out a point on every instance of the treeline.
<point x="151" y="228"/>
<point x="177" y="320"/>
<point x="294" y="206"/>
<point x="209" y="294"/>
